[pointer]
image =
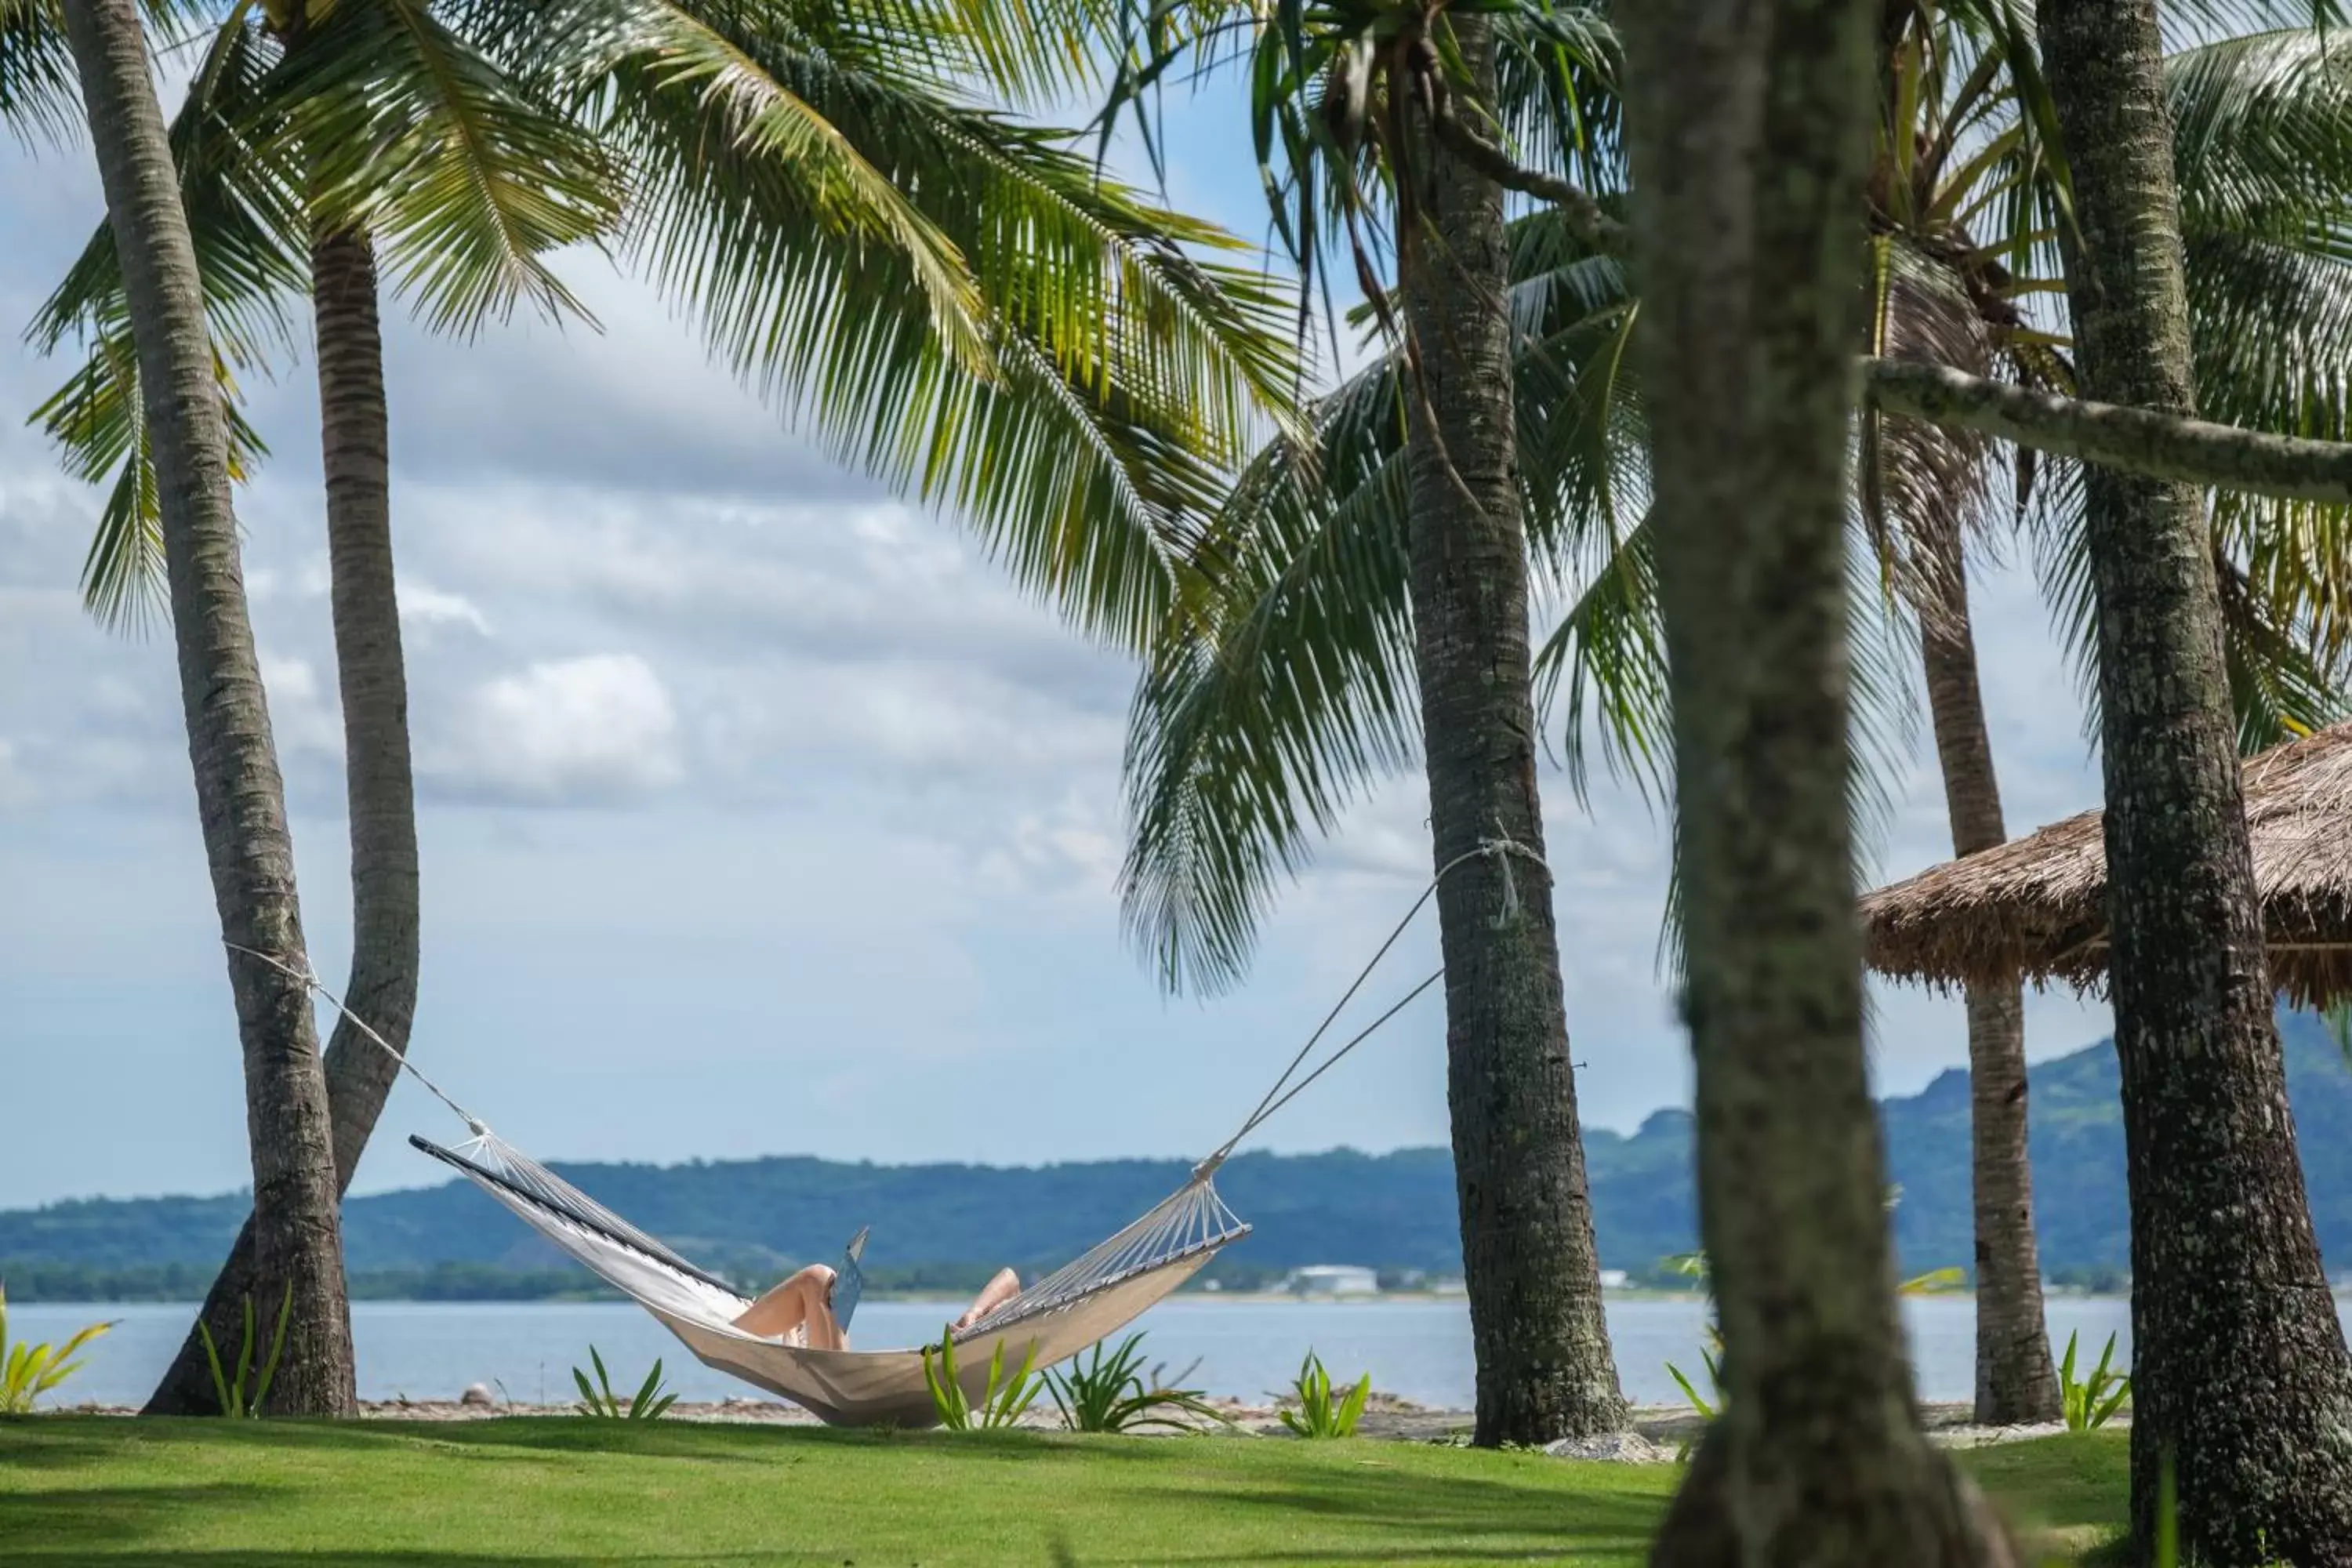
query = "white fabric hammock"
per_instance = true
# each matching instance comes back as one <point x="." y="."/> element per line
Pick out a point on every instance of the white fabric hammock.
<point x="1089" y="1298"/>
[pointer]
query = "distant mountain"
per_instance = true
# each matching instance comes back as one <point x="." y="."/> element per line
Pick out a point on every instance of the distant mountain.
<point x="941" y="1223"/>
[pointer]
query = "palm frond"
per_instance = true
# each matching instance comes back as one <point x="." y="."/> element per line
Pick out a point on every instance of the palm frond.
<point x="1100" y="370"/>
<point x="100" y="426"/>
<point x="1608" y="654"/>
<point x="244" y="206"/>
<point x="467" y="185"/>
<point x="249" y="233"/>
<point x="1922" y="489"/>
<point x="1281" y="689"/>
<point x="40" y="95"/>
<point x="751" y="202"/>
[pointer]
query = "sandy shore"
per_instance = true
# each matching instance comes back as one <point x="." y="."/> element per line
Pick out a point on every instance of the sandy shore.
<point x="1655" y="1436"/>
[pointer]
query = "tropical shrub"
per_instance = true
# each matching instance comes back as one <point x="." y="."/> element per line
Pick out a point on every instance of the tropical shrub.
<point x="30" y="1371"/>
<point x="2089" y="1403"/>
<point x="230" y="1391"/>
<point x="1319" y="1413"/>
<point x="599" y="1402"/>
<point x="1001" y="1404"/>
<point x="1108" y="1392"/>
<point x="1708" y="1405"/>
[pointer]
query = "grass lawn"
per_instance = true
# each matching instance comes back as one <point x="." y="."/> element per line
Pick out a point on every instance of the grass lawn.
<point x="491" y="1494"/>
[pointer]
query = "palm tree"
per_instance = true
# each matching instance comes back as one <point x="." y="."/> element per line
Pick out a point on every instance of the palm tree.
<point x="1530" y="1263"/>
<point x="1752" y="279"/>
<point x="1264" y="716"/>
<point x="2241" y="1381"/>
<point x="1072" y="390"/>
<point x="497" y="183"/>
<point x="240" y="797"/>
<point x="1962" y="177"/>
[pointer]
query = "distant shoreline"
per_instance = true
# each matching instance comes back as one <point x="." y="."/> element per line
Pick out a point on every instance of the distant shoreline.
<point x="1251" y="1298"/>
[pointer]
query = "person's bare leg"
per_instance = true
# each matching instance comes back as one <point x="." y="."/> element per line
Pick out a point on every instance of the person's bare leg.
<point x="994" y="1294"/>
<point x="804" y="1299"/>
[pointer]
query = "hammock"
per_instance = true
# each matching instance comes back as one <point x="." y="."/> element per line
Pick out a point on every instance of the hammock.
<point x="1084" y="1302"/>
<point x="1087" y="1300"/>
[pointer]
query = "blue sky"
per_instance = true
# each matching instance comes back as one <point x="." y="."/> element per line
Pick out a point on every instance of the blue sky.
<point x="758" y="814"/>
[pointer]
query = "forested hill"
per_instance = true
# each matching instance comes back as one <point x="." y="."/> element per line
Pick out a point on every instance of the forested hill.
<point x="937" y="1224"/>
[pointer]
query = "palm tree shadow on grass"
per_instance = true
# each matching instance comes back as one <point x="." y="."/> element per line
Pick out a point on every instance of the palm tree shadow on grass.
<point x="1474" y="1519"/>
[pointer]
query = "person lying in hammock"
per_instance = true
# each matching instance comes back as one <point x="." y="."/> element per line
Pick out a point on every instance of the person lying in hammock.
<point x="800" y="1310"/>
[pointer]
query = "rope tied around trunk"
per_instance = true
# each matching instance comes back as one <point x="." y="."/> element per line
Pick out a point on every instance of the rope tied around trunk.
<point x="305" y="977"/>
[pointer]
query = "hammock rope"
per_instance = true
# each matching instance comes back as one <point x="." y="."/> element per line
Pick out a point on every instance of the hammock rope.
<point x="1500" y="849"/>
<point x="1088" y="1298"/>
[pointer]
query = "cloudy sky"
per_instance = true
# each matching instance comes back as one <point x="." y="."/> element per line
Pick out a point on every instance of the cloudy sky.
<point x="758" y="814"/>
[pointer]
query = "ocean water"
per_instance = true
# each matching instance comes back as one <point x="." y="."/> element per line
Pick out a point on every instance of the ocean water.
<point x="1243" y="1346"/>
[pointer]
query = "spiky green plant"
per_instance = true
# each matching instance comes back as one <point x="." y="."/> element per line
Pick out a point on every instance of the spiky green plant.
<point x="1003" y="1402"/>
<point x="599" y="1401"/>
<point x="2092" y="1402"/>
<point x="1106" y="1392"/>
<point x="27" y="1371"/>
<point x="229" y="1389"/>
<point x="1316" y="1410"/>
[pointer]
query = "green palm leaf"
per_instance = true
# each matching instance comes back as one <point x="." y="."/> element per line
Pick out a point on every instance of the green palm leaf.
<point x="2263" y="139"/>
<point x="40" y="99"/>
<point x="467" y="185"/>
<point x="100" y="427"/>
<point x="710" y="107"/>
<point x="40" y="95"/>
<point x="248" y="230"/>
<point x="244" y="206"/>
<point x="1280" y="690"/>
<point x="1024" y="343"/>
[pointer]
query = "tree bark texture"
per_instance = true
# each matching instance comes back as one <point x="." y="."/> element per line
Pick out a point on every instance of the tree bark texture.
<point x="2128" y="439"/>
<point x="2016" y="1384"/>
<point x="382" y="988"/>
<point x="240" y="795"/>
<point x="2241" y="1380"/>
<point x="1544" y="1370"/>
<point x="1747" y="126"/>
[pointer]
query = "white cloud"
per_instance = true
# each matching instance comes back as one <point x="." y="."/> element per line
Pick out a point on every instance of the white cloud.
<point x="424" y="606"/>
<point x="593" y="730"/>
<point x="304" y="715"/>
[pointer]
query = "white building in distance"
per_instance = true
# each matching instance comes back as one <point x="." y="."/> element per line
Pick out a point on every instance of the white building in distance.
<point x="1333" y="1279"/>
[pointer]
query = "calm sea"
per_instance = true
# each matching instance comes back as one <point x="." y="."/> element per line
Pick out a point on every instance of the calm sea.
<point x="1245" y="1347"/>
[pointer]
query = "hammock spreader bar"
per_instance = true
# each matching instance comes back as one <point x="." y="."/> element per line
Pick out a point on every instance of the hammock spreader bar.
<point x="563" y="1200"/>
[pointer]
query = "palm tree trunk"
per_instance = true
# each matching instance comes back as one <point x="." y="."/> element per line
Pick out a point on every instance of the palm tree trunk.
<point x="374" y="688"/>
<point x="2015" y="1381"/>
<point x="240" y="795"/>
<point x="1746" y="122"/>
<point x="1527" y="1255"/>
<point x="2241" y="1379"/>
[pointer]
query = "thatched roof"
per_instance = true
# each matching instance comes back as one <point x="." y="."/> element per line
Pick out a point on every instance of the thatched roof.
<point x="2036" y="906"/>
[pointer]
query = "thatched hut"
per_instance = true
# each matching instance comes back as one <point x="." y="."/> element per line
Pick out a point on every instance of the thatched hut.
<point x="2036" y="907"/>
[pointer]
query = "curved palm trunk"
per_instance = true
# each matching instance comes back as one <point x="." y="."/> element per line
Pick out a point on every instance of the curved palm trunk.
<point x="380" y="793"/>
<point x="2241" y="1380"/>
<point x="1746" y="122"/>
<point x="1527" y="1255"/>
<point x="240" y="797"/>
<point x="2015" y="1381"/>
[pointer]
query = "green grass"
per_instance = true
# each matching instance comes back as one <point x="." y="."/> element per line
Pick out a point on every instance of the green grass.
<point x="499" y="1493"/>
